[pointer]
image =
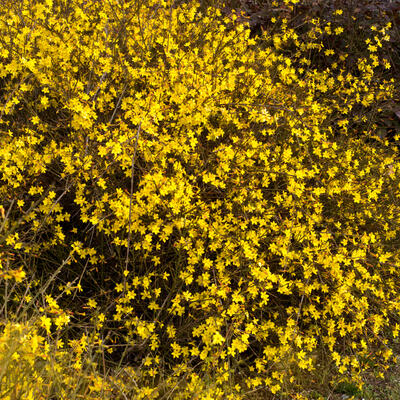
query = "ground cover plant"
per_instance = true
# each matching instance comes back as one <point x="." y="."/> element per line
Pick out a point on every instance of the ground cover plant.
<point x="189" y="210"/>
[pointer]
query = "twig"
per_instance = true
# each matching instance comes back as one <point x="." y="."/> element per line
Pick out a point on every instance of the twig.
<point x="117" y="105"/>
<point x="6" y="216"/>
<point x="130" y="203"/>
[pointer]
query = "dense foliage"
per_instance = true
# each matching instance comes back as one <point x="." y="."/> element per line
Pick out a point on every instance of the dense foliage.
<point x="189" y="212"/>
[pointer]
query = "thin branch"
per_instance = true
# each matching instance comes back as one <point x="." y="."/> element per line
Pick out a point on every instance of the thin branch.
<point x="117" y="105"/>
<point x="130" y="203"/>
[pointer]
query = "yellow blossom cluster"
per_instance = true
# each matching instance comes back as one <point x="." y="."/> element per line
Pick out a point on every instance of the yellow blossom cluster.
<point x="35" y="367"/>
<point x="194" y="196"/>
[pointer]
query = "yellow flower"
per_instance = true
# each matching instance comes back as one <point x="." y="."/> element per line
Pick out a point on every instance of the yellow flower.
<point x="92" y="303"/>
<point x="218" y="338"/>
<point x="46" y="323"/>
